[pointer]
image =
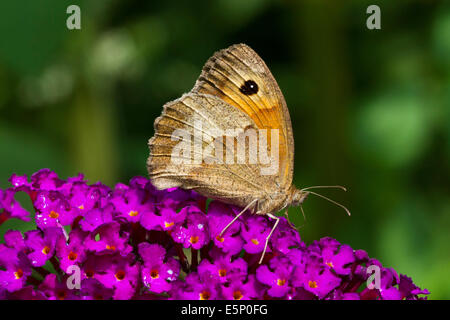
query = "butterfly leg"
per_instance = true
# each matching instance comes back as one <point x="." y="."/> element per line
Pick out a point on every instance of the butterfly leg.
<point x="277" y="220"/>
<point x="237" y="217"/>
<point x="287" y="218"/>
<point x="304" y="217"/>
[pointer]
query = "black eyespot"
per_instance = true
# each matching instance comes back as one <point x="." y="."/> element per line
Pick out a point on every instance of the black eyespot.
<point x="249" y="87"/>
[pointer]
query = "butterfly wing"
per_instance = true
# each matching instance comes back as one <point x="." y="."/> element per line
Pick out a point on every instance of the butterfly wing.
<point x="238" y="76"/>
<point x="174" y="164"/>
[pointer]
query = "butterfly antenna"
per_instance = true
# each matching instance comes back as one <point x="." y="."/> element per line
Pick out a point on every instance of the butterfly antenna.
<point x="332" y="201"/>
<point x="325" y="187"/>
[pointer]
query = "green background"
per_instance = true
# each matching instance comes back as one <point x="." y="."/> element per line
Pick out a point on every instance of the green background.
<point x="370" y="108"/>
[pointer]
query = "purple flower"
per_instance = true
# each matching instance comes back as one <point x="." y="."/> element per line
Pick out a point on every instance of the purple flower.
<point x="137" y="242"/>
<point x="285" y="238"/>
<point x="14" y="269"/>
<point x="277" y="277"/>
<point x="53" y="210"/>
<point x="195" y="288"/>
<point x="95" y="265"/>
<point x="56" y="290"/>
<point x="45" y="179"/>
<point x="11" y="207"/>
<point x="241" y="290"/>
<point x="192" y="234"/>
<point x="175" y="198"/>
<point x="219" y="216"/>
<point x="83" y="197"/>
<point x="409" y="290"/>
<point x="316" y="277"/>
<point x="339" y="295"/>
<point x="108" y="239"/>
<point x="133" y="204"/>
<point x="14" y="239"/>
<point x="121" y="274"/>
<point x="170" y="219"/>
<point x="224" y="268"/>
<point x="26" y="293"/>
<point x="255" y="233"/>
<point x="42" y="245"/>
<point x="72" y="252"/>
<point x="19" y="181"/>
<point x="92" y="289"/>
<point x="157" y="271"/>
<point x="338" y="257"/>
<point x="97" y="217"/>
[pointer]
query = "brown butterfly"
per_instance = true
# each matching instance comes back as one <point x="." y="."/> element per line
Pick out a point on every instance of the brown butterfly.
<point x="235" y="98"/>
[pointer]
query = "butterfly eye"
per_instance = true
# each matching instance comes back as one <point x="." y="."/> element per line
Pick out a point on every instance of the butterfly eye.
<point x="249" y="87"/>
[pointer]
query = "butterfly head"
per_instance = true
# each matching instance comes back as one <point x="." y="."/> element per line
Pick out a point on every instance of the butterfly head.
<point x="297" y="196"/>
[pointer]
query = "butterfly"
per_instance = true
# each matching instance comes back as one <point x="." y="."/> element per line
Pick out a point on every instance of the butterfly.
<point x="196" y="140"/>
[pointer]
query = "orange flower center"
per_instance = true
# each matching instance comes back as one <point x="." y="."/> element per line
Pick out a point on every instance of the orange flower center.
<point x="281" y="282"/>
<point x="205" y="295"/>
<point x="222" y="272"/>
<point x="72" y="256"/>
<point x="255" y="241"/>
<point x="220" y="239"/>
<point x="312" y="284"/>
<point x="46" y="250"/>
<point x="330" y="264"/>
<point x="54" y="214"/>
<point x="168" y="224"/>
<point x="81" y="207"/>
<point x="89" y="273"/>
<point x="110" y="247"/>
<point x="154" y="274"/>
<point x="61" y="294"/>
<point x="237" y="295"/>
<point x="120" y="275"/>
<point x="194" y="239"/>
<point x="133" y="213"/>
<point x="18" y="274"/>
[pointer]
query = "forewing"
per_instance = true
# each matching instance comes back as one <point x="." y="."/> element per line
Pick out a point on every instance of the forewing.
<point x="231" y="75"/>
<point x="204" y="119"/>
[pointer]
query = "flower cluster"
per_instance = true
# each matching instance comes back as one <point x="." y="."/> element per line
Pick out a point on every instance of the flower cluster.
<point x="136" y="242"/>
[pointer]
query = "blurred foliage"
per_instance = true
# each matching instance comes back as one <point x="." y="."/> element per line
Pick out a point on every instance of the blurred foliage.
<point x="370" y="108"/>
